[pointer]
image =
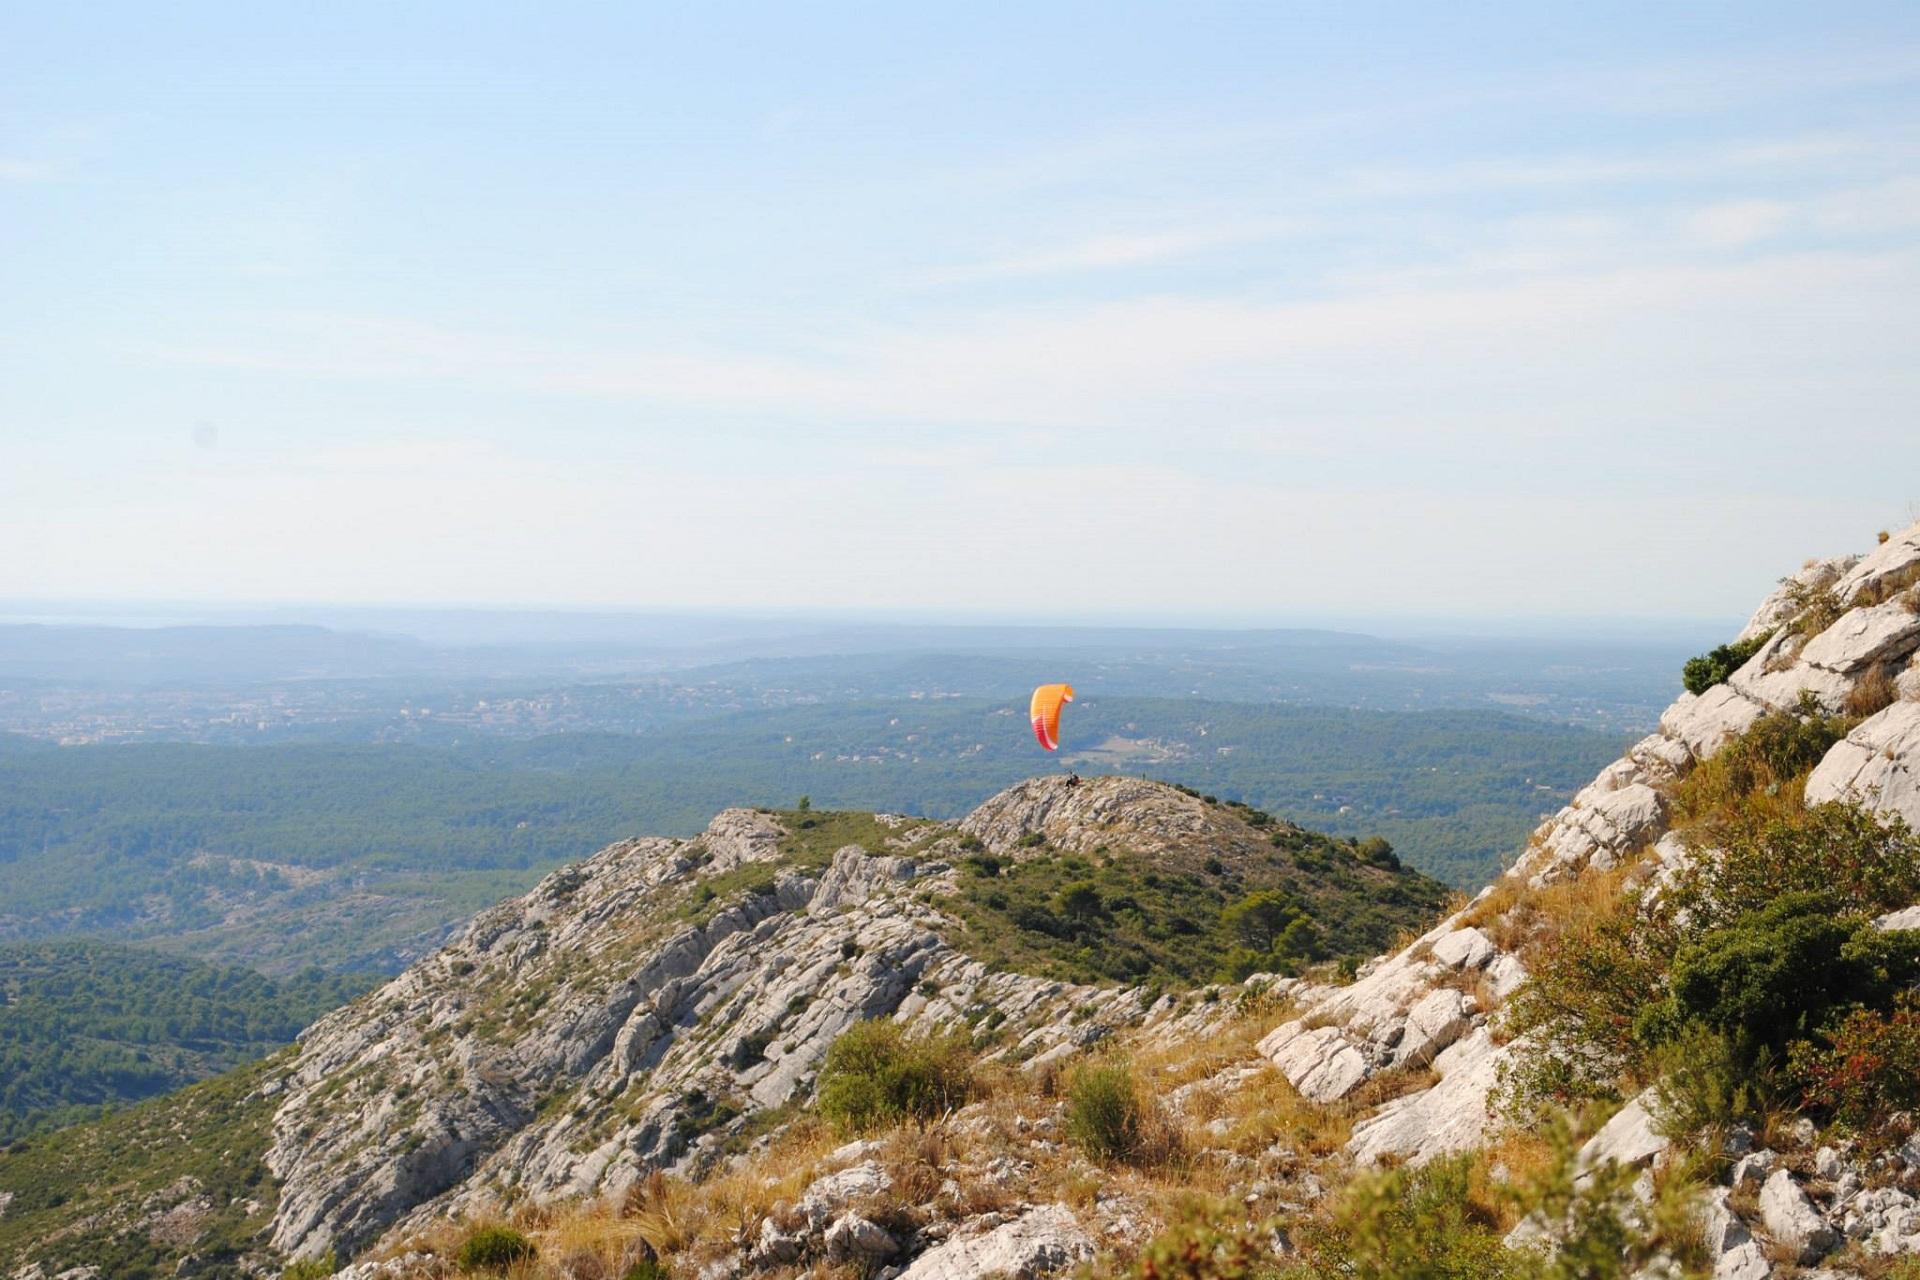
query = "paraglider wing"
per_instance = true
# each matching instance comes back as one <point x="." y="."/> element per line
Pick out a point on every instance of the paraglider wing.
<point x="1045" y="712"/>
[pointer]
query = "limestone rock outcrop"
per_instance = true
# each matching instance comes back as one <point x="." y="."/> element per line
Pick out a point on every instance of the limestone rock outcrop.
<point x="1396" y="1015"/>
<point x="611" y="1022"/>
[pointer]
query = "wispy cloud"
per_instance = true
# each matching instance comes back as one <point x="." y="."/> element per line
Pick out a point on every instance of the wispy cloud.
<point x="1111" y="250"/>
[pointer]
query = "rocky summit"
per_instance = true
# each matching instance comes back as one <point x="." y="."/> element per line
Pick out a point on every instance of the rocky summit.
<point x="621" y="1073"/>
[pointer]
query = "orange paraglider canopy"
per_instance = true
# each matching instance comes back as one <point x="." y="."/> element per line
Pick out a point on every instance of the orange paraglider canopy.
<point x="1045" y="711"/>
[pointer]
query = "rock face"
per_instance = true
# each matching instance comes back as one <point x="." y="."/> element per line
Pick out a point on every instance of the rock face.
<point x="1425" y="1003"/>
<point x="610" y="1022"/>
<point x="1146" y="817"/>
<point x="1878" y="763"/>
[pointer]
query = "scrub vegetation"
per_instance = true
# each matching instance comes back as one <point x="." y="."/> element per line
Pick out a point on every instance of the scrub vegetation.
<point x="1754" y="982"/>
<point x="1270" y="898"/>
<point x="108" y="1186"/>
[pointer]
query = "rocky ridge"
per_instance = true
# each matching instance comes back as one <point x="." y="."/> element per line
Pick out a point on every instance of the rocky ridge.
<point x="658" y="1005"/>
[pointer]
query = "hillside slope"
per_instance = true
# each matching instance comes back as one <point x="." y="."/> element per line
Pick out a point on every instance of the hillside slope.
<point x="666" y="1001"/>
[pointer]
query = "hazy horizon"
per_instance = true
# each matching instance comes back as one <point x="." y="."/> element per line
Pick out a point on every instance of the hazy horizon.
<point x="394" y="617"/>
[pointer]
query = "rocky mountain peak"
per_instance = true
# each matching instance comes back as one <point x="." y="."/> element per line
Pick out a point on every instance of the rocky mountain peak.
<point x="1136" y="814"/>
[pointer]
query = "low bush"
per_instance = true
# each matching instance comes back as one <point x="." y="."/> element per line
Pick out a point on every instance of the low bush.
<point x="1772" y="757"/>
<point x="1867" y="1069"/>
<point x="311" y="1268"/>
<point x="1413" y="1224"/>
<point x="493" y="1248"/>
<point x="1103" y="1113"/>
<point x="1703" y="1083"/>
<point x="1774" y="975"/>
<point x="1713" y="667"/>
<point x="1866" y="862"/>
<point x="876" y="1075"/>
<point x="1209" y="1242"/>
<point x="1818" y="607"/>
<point x="1580" y="1008"/>
<point x="1107" y="1118"/>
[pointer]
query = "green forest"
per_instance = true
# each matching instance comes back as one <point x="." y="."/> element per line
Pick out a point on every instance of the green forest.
<point x="87" y="1025"/>
<point x="339" y="854"/>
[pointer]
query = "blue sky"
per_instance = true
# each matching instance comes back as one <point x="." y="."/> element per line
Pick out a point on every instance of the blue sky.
<point x="1257" y="312"/>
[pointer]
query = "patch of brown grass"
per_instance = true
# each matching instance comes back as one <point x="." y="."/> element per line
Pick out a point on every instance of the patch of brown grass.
<point x="1538" y="917"/>
<point x="1872" y="693"/>
<point x="1900" y="584"/>
<point x="1721" y="785"/>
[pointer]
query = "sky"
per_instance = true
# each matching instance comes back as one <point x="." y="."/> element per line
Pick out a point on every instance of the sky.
<point x="1177" y="313"/>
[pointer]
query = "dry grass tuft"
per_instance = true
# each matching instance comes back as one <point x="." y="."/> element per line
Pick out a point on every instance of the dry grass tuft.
<point x="1534" y="918"/>
<point x="1901" y="584"/>
<point x="1873" y="693"/>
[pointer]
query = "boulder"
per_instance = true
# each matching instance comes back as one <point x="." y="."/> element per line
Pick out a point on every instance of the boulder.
<point x="827" y="1196"/>
<point x="1721" y="1230"/>
<point x="1628" y="1139"/>
<point x="1744" y="1262"/>
<point x="1905" y="918"/>
<point x="1439" y="1019"/>
<point x="1464" y="949"/>
<point x="853" y="1238"/>
<point x="1863" y="637"/>
<point x="1039" y="1242"/>
<point x="1878" y="763"/>
<point x="1791" y="1219"/>
<point x="1323" y="1063"/>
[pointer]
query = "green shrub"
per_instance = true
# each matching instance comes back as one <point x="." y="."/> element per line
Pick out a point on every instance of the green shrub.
<point x="1865" y="862"/>
<point x="1104" y="1115"/>
<point x="1080" y="905"/>
<point x="1413" y="1224"/>
<point x="1774" y="974"/>
<point x="493" y="1248"/>
<point x="1376" y="850"/>
<point x="311" y="1268"/>
<point x="1819" y="607"/>
<point x="1579" y="1007"/>
<point x="646" y="1269"/>
<point x="1713" y="667"/>
<point x="1704" y="1083"/>
<point x="982" y="864"/>
<point x="876" y="1075"/>
<point x="1869" y="1067"/>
